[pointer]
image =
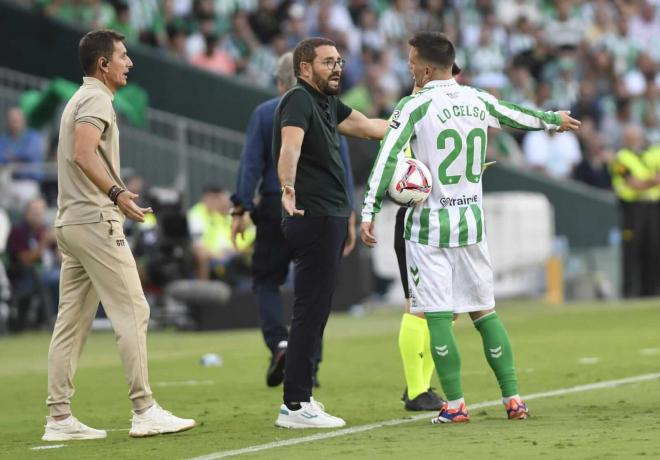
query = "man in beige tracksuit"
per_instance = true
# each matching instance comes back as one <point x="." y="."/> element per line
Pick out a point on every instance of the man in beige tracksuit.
<point x="97" y="263"/>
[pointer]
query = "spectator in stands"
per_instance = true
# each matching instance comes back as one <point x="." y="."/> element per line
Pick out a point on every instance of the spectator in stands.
<point x="266" y="21"/>
<point x="263" y="62"/>
<point x="587" y="106"/>
<point x="240" y="41"/>
<point x="196" y="42"/>
<point x="510" y="11"/>
<point x="644" y="26"/>
<point x="596" y="55"/>
<point x="550" y="154"/>
<point x="612" y="125"/>
<point x="594" y="169"/>
<point x="34" y="266"/>
<point x="21" y="145"/>
<point x="487" y="59"/>
<point x="209" y="223"/>
<point x="213" y="58"/>
<point x="122" y="22"/>
<point x="566" y="30"/>
<point x="176" y="41"/>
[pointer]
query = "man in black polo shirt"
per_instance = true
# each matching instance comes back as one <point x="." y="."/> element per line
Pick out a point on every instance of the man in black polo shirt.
<point x="316" y="211"/>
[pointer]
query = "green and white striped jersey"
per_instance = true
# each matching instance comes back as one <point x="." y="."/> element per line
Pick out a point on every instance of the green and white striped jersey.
<point x="446" y="125"/>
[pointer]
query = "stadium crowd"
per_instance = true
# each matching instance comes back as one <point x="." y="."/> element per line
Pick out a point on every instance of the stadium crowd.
<point x="595" y="57"/>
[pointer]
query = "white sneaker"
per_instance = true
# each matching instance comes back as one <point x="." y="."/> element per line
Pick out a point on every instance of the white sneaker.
<point x="70" y="429"/>
<point x="310" y="415"/>
<point x="157" y="420"/>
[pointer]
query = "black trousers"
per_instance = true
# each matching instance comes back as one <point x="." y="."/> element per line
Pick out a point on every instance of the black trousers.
<point x="270" y="267"/>
<point x="640" y="235"/>
<point x="317" y="244"/>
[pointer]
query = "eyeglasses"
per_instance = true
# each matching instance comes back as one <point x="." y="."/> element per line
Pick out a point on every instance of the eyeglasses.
<point x="331" y="63"/>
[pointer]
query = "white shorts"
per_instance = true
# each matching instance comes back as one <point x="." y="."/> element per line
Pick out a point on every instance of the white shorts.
<point x="456" y="280"/>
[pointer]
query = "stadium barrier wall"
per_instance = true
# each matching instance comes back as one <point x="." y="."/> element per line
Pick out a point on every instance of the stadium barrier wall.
<point x="587" y="217"/>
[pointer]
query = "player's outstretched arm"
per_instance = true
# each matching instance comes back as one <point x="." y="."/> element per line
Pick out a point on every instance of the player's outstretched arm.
<point x="521" y="117"/>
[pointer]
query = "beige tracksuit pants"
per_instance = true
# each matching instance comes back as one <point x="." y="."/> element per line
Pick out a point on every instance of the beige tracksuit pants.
<point x="97" y="265"/>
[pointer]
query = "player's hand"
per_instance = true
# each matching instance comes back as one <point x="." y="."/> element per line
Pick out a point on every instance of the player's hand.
<point x="289" y="202"/>
<point x="237" y="228"/>
<point x="127" y="205"/>
<point x="367" y="234"/>
<point x="350" y="239"/>
<point x="568" y="123"/>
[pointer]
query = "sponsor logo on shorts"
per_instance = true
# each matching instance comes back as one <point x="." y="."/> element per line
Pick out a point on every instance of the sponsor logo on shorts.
<point x="414" y="271"/>
<point x="121" y="242"/>
<point x="461" y="201"/>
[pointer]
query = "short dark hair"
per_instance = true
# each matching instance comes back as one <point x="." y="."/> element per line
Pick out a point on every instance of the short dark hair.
<point x="96" y="44"/>
<point x="306" y="51"/>
<point x="435" y="48"/>
<point x="212" y="189"/>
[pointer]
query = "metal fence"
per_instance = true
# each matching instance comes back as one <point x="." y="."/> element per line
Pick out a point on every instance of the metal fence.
<point x="169" y="151"/>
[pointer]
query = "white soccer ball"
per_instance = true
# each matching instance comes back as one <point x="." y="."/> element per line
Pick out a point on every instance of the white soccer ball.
<point x="411" y="183"/>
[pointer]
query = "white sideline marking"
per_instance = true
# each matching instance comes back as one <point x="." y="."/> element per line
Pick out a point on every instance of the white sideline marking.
<point x="649" y="351"/>
<point x="184" y="383"/>
<point x="401" y="421"/>
<point x="56" y="446"/>
<point x="589" y="360"/>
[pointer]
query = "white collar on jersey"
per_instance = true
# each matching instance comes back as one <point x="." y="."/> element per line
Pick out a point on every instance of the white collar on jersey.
<point x="440" y="83"/>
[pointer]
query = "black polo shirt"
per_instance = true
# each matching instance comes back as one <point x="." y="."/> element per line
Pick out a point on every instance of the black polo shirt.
<point x="320" y="178"/>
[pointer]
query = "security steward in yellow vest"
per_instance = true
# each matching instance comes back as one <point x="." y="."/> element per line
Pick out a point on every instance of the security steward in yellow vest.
<point x="636" y="181"/>
<point x="209" y="223"/>
<point x="651" y="157"/>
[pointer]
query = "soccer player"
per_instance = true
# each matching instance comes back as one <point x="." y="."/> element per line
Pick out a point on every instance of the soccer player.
<point x="97" y="263"/>
<point x="272" y="255"/>
<point x="449" y="267"/>
<point x="316" y="210"/>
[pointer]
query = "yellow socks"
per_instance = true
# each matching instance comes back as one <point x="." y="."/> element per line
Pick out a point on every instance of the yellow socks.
<point x="414" y="345"/>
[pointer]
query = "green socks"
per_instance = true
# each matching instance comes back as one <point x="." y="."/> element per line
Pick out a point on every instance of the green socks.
<point x="428" y="366"/>
<point x="499" y="353"/>
<point x="414" y="345"/>
<point x="445" y="353"/>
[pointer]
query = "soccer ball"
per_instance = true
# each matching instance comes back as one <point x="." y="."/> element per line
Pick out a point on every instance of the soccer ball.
<point x="411" y="183"/>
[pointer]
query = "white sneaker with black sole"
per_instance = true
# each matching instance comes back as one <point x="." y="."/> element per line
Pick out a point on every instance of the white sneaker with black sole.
<point x="70" y="429"/>
<point x="311" y="414"/>
<point x="157" y="420"/>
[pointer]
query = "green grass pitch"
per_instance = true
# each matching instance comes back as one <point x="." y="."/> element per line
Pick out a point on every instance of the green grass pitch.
<point x="361" y="378"/>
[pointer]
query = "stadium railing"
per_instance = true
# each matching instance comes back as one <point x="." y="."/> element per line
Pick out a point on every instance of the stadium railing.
<point x="170" y="150"/>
